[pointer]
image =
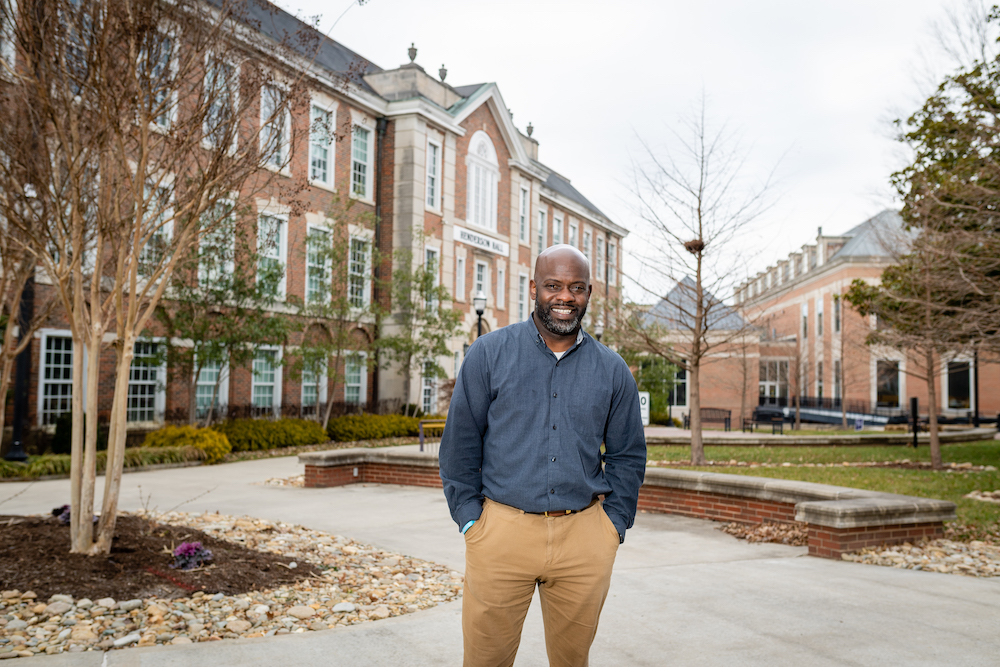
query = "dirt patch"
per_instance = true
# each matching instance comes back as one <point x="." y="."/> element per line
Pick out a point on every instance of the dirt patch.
<point x="34" y="555"/>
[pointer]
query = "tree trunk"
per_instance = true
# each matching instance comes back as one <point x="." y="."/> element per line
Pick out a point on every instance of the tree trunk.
<point x="83" y="514"/>
<point x="116" y="448"/>
<point x="843" y="368"/>
<point x="932" y="411"/>
<point x="697" y="446"/>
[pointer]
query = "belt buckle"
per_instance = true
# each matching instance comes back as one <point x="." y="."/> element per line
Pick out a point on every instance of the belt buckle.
<point x="560" y="513"/>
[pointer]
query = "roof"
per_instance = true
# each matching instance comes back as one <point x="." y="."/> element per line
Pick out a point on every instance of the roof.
<point x="879" y="236"/>
<point x="562" y="185"/>
<point x="676" y="310"/>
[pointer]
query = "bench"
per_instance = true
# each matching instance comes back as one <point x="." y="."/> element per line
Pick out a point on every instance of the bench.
<point x="711" y="415"/>
<point x="430" y="424"/>
<point x="777" y="425"/>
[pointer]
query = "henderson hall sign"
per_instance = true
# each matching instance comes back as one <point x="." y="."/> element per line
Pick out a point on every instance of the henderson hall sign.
<point x="487" y="243"/>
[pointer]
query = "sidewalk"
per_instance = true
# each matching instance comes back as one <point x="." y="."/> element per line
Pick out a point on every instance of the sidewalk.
<point x="683" y="593"/>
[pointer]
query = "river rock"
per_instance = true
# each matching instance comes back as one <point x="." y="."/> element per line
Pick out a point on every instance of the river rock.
<point x="128" y="639"/>
<point x="129" y="605"/>
<point x="342" y="607"/>
<point x="107" y="603"/>
<point x="58" y="608"/>
<point x="301" y="612"/>
<point x="238" y="626"/>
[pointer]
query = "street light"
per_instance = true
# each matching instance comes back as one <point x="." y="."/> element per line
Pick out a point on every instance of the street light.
<point x="598" y="330"/>
<point x="479" y="303"/>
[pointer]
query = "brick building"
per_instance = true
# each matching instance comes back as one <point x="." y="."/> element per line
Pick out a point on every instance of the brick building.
<point x="446" y="174"/>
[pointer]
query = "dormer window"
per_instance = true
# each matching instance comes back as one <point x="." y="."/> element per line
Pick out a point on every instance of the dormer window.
<point x="482" y="177"/>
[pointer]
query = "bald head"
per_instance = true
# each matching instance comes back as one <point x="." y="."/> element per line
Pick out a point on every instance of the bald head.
<point x="561" y="254"/>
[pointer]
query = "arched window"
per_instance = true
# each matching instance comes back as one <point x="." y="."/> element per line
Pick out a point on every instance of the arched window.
<point x="482" y="176"/>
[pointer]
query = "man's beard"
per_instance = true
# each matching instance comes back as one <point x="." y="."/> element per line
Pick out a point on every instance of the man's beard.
<point x="559" y="327"/>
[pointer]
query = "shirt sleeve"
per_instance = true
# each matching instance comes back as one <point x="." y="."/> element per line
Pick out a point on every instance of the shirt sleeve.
<point x="625" y="452"/>
<point x="461" y="451"/>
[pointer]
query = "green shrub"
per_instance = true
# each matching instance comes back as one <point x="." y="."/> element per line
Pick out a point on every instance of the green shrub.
<point x="247" y="435"/>
<point x="215" y="445"/>
<point x="59" y="464"/>
<point x="660" y="418"/>
<point x="371" y="427"/>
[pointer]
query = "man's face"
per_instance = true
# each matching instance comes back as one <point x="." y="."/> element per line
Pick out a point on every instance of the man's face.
<point x="561" y="290"/>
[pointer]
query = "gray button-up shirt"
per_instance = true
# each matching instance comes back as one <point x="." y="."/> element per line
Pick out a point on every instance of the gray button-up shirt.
<point x="525" y="429"/>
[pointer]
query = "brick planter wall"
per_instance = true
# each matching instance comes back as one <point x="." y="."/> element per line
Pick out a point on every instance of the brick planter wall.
<point x="371" y="473"/>
<point x="714" y="506"/>
<point x="827" y="542"/>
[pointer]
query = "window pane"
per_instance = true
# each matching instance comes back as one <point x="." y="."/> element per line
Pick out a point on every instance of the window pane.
<point x="142" y="383"/>
<point x="359" y="158"/>
<point x="57" y="378"/>
<point x="959" y="393"/>
<point x="887" y="382"/>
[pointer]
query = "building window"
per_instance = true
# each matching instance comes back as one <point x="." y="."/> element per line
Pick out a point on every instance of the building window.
<point x="313" y="391"/>
<point x="573" y="234"/>
<point x="156" y="69"/>
<point x="57" y="378"/>
<point x="266" y="385"/>
<point x="217" y="245"/>
<point x="837" y="381"/>
<point x="144" y="383"/>
<point x="358" y="270"/>
<point x="819" y="379"/>
<point x="221" y="85"/>
<point x="360" y="163"/>
<point x="429" y="389"/>
<point x="460" y="279"/>
<point x="805" y="321"/>
<point x="433" y="175"/>
<point x="678" y="393"/>
<point x="784" y="273"/>
<point x="480" y="283"/>
<point x="211" y="386"/>
<point x="320" y="146"/>
<point x="432" y="266"/>
<point x="959" y="385"/>
<point x="887" y="384"/>
<point x="275" y="121"/>
<point x="523" y="216"/>
<point x="354" y="378"/>
<point x="612" y="273"/>
<point x="482" y="177"/>
<point x="586" y="245"/>
<point x="522" y="297"/>
<point x="541" y="231"/>
<point x="773" y="382"/>
<point x="836" y="313"/>
<point x="600" y="259"/>
<point x="318" y="265"/>
<point x="819" y="317"/>
<point x="501" y="286"/>
<point x="557" y="229"/>
<point x="158" y="222"/>
<point x="271" y="250"/>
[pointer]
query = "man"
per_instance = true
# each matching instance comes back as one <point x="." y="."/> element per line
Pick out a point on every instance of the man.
<point x="521" y="465"/>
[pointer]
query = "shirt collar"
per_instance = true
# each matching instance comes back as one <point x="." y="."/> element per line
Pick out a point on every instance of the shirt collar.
<point x="540" y="339"/>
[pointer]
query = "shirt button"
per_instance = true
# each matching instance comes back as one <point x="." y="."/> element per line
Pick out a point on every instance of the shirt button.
<point x="553" y="427"/>
<point x="552" y="490"/>
<point x="553" y="459"/>
<point x="554" y="395"/>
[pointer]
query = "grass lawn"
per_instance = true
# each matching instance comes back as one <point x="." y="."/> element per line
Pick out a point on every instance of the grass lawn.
<point x="980" y="519"/>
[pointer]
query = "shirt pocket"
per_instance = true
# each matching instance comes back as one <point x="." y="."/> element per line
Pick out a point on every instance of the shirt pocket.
<point x="589" y="404"/>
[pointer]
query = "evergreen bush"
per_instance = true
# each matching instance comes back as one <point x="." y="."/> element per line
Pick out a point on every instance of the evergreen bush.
<point x="214" y="444"/>
<point x="247" y="435"/>
<point x="371" y="427"/>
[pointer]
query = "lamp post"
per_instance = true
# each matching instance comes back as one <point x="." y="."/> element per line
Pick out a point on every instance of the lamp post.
<point x="598" y="330"/>
<point x="479" y="303"/>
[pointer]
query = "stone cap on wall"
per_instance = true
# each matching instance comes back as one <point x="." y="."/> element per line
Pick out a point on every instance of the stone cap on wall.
<point x="356" y="455"/>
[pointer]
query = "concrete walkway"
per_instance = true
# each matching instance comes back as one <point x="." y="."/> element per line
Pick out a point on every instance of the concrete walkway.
<point x="683" y="593"/>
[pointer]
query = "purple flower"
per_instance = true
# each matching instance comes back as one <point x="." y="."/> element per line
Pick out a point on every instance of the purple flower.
<point x="190" y="555"/>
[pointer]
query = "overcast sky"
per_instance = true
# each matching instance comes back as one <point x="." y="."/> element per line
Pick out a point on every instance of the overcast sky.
<point x="812" y="86"/>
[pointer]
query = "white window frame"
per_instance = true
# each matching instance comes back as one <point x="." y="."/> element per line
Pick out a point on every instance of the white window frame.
<point x="612" y="256"/>
<point x="366" y="276"/>
<point x="587" y="237"/>
<point x="460" y="294"/>
<point x="316" y="141"/>
<point x="222" y="399"/>
<point x="165" y="223"/>
<point x="433" y="253"/>
<point x="311" y="384"/>
<point x="481" y="282"/>
<point x="557" y="228"/>
<point x="687" y="389"/>
<point x="428" y="406"/>
<point x="873" y="370"/>
<point x="233" y="87"/>
<point x="277" y="383"/>
<point x="522" y="297"/>
<point x="44" y="335"/>
<point x="946" y="383"/>
<point x="280" y="254"/>
<point x="367" y="163"/>
<point x="171" y="114"/>
<point x="159" y="388"/>
<point x="326" y="267"/>
<point x="524" y="215"/>
<point x="574" y="234"/>
<point x="283" y="154"/>
<point x="432" y="176"/>
<point x="501" y="286"/>
<point x="205" y="272"/>
<point x="482" y="179"/>
<point x="599" y="254"/>
<point x="363" y="384"/>
<point x="541" y="230"/>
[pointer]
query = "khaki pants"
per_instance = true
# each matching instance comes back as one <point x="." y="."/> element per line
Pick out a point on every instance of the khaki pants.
<point x="508" y="553"/>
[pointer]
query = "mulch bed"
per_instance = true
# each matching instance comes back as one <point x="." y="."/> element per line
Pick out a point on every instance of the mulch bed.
<point x="34" y="555"/>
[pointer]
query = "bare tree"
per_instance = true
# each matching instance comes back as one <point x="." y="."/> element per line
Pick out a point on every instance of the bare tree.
<point x="697" y="200"/>
<point x="131" y="120"/>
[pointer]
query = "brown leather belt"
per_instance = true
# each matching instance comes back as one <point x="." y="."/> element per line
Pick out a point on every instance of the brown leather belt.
<point x="564" y="512"/>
